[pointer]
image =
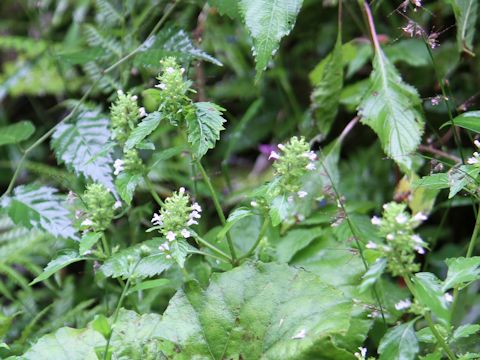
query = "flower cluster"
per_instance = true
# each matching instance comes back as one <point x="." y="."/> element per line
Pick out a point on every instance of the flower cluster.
<point x="174" y="102"/>
<point x="124" y="114"/>
<point x="475" y="159"/>
<point x="292" y="163"/>
<point x="175" y="218"/>
<point x="397" y="227"/>
<point x="100" y="206"/>
<point x="131" y="163"/>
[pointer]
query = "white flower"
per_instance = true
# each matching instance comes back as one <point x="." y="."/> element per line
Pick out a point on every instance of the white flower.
<point x="472" y="161"/>
<point x="371" y="245"/>
<point x="376" y="220"/>
<point x="419" y="249"/>
<point x="310" y="155"/>
<point x="192" y="222"/>
<point x="164" y="247"/>
<point x="87" y="222"/>
<point x="420" y="217"/>
<point x="182" y="70"/>
<point x="142" y="111"/>
<point x="196" y="207"/>
<point x="417" y="239"/>
<point x="169" y="70"/>
<point x="195" y="215"/>
<point x="390" y="237"/>
<point x="117" y="205"/>
<point x="134" y="97"/>
<point x="401" y="218"/>
<point x="181" y="190"/>
<point x="477" y="143"/>
<point x="362" y="354"/>
<point x="300" y="335"/>
<point x="302" y="194"/>
<point x="119" y="92"/>
<point x="403" y="304"/>
<point x="185" y="233"/>
<point x="448" y="297"/>
<point x="118" y="165"/>
<point x="171" y="236"/>
<point x="157" y="219"/>
<point x="168" y="256"/>
<point x="253" y="203"/>
<point x="311" y="166"/>
<point x="281" y="147"/>
<point x="161" y="86"/>
<point x="274" y="155"/>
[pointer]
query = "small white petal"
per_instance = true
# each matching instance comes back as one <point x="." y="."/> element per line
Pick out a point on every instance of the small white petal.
<point x="169" y="70"/>
<point x="87" y="222"/>
<point x="192" y="222"/>
<point x="302" y="194"/>
<point x="311" y="166"/>
<point x="157" y="219"/>
<point x="403" y="304"/>
<point x="371" y="245"/>
<point x="390" y="237"/>
<point x="281" y="147"/>
<point x="417" y="239"/>
<point x="477" y="143"/>
<point x="195" y="215"/>
<point x="253" y="203"/>
<point x="274" y="155"/>
<point x="448" y="297"/>
<point x="472" y="161"/>
<point x="119" y="92"/>
<point x="161" y="86"/>
<point x="401" y="218"/>
<point x="185" y="233"/>
<point x="419" y="249"/>
<point x="168" y="256"/>
<point x="196" y="207"/>
<point x="376" y="220"/>
<point x="171" y="236"/>
<point x="117" y="205"/>
<point x="300" y="335"/>
<point x="420" y="217"/>
<point x="142" y="111"/>
<point x="134" y="97"/>
<point x="181" y="190"/>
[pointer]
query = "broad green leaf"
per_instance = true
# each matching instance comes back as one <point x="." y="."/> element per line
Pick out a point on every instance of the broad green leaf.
<point x="326" y="94"/>
<point x="399" y="343"/>
<point x="204" y="129"/>
<point x="226" y="7"/>
<point x="257" y="311"/>
<point x="149" y="284"/>
<point x="76" y="144"/>
<point x="87" y="241"/>
<point x="171" y="42"/>
<point x="57" y="264"/>
<point x="461" y="271"/>
<point x="132" y="262"/>
<point x="143" y="129"/>
<point x="101" y="325"/>
<point x="460" y="176"/>
<point x="393" y="110"/>
<point x="469" y="120"/>
<point x="466" y="330"/>
<point x="294" y="241"/>
<point x="466" y="13"/>
<point x="268" y="22"/>
<point x="126" y="183"/>
<point x="434" y="181"/>
<point x="180" y="249"/>
<point x="410" y="51"/>
<point x="39" y="207"/>
<point x="233" y="218"/>
<point x="66" y="344"/>
<point x="374" y="273"/>
<point x="15" y="133"/>
<point x="279" y="209"/>
<point x="429" y="293"/>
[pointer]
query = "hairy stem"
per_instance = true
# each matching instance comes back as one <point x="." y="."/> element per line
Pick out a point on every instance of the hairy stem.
<point x="152" y="191"/>
<point x="211" y="247"/>
<point x="261" y="234"/>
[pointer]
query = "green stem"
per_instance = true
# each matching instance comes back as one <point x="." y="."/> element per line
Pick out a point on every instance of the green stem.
<point x="261" y="234"/>
<point x="219" y="209"/>
<point x="106" y="248"/>
<point x="429" y="320"/>
<point x="152" y="191"/>
<point x="211" y="247"/>
<point x="212" y="256"/>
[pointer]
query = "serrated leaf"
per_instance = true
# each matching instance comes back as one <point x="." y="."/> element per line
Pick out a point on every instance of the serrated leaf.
<point x="233" y="218"/>
<point x="466" y="12"/>
<point x="143" y="129"/>
<point x="466" y="330"/>
<point x="15" y="133"/>
<point x="57" y="264"/>
<point x="429" y="293"/>
<point x="179" y="250"/>
<point x="294" y="241"/>
<point x="204" y="129"/>
<point x="256" y="311"/>
<point x="126" y="183"/>
<point x="101" y="325"/>
<point x="373" y="274"/>
<point x="326" y="94"/>
<point x="461" y="271"/>
<point x="129" y="262"/>
<point x="469" y="120"/>
<point x="279" y="209"/>
<point x="399" y="343"/>
<point x="149" y="284"/>
<point x="460" y="176"/>
<point x="87" y="241"/>
<point x="39" y="207"/>
<point x="268" y="22"/>
<point x="77" y="144"/>
<point x="393" y="110"/>
<point x="434" y="182"/>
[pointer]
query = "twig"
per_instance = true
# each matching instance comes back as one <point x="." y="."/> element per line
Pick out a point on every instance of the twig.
<point x="430" y="149"/>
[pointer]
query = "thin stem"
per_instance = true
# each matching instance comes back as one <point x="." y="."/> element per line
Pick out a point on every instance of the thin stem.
<point x="212" y="256"/>
<point x="430" y="322"/>
<point x="153" y="192"/>
<point x="211" y="247"/>
<point x="261" y="234"/>
<point x="106" y="248"/>
<point x="218" y="207"/>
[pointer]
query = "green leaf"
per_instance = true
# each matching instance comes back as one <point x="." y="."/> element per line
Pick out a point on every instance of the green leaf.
<point x="393" y="110"/>
<point x="279" y="209"/>
<point x="100" y="324"/>
<point x="429" y="293"/>
<point x="268" y="22"/>
<point x="180" y="249"/>
<point x="233" y="218"/>
<point x="226" y="7"/>
<point x="129" y="262"/>
<point x="57" y="264"/>
<point x="461" y="271"/>
<point x="149" y="284"/>
<point x="204" y="129"/>
<point x="433" y="182"/>
<point x="294" y="241"/>
<point x="126" y="183"/>
<point x="373" y="274"/>
<point x="399" y="343"/>
<point x="326" y="94"/>
<point x="88" y="240"/>
<point x="76" y="145"/>
<point x="257" y="311"/>
<point x="469" y="120"/>
<point x="466" y="12"/>
<point x="39" y="207"/>
<point x="464" y="331"/>
<point x="460" y="176"/>
<point x="15" y="133"/>
<point x="66" y="344"/>
<point x="143" y="129"/>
